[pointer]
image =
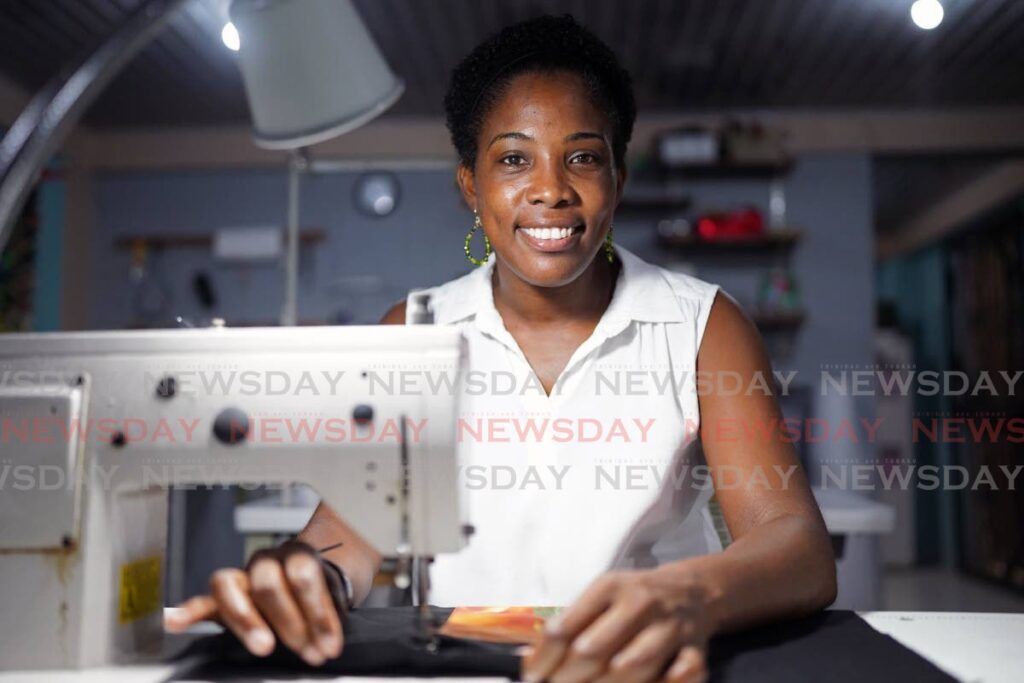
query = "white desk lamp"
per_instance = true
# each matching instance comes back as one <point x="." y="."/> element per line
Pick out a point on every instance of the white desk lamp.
<point x="312" y="72"/>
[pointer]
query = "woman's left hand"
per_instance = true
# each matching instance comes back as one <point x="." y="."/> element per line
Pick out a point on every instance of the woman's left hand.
<point x="630" y="626"/>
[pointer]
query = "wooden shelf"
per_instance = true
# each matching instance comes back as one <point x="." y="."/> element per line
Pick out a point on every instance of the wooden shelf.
<point x="770" y="239"/>
<point x="183" y="241"/>
<point x="729" y="169"/>
<point x="774" y="322"/>
<point x="655" y="196"/>
<point x="652" y="203"/>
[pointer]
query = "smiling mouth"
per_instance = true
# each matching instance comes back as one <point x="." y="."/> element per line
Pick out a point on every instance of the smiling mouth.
<point x="551" y="233"/>
<point x="551" y="240"/>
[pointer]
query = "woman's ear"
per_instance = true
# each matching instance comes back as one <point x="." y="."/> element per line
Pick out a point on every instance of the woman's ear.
<point x="467" y="184"/>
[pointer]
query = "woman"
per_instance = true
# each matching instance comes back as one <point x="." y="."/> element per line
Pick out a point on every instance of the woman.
<point x="540" y="116"/>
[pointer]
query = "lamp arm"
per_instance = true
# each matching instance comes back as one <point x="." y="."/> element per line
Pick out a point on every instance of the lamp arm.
<point x="41" y="128"/>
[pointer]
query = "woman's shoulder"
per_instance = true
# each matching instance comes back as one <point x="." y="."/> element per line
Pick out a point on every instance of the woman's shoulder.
<point x="395" y="314"/>
<point x="689" y="291"/>
<point x="660" y="294"/>
<point x="686" y="286"/>
<point x="443" y="298"/>
<point x="458" y="285"/>
<point x="694" y="296"/>
<point x="716" y="313"/>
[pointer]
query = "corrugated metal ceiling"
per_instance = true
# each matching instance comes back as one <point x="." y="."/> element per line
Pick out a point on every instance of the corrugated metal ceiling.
<point x="693" y="54"/>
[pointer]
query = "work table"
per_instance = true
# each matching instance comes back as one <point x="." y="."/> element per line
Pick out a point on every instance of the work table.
<point x="972" y="646"/>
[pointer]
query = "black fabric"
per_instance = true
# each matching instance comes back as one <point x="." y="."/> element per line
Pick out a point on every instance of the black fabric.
<point x="378" y="641"/>
<point x="834" y="646"/>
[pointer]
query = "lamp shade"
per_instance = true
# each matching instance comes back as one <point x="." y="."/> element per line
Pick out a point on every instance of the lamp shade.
<point x="311" y="70"/>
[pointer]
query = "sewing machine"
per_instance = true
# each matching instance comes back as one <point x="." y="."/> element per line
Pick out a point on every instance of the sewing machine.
<point x="96" y="426"/>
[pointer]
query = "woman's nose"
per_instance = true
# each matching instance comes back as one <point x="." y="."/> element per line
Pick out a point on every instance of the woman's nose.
<point x="549" y="185"/>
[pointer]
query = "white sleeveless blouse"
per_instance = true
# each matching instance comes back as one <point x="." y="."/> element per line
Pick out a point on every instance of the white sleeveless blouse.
<point x="598" y="475"/>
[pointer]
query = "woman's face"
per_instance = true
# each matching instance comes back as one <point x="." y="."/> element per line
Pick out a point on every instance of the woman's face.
<point x="545" y="182"/>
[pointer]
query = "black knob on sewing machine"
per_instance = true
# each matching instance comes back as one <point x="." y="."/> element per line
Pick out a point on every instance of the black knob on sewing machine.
<point x="231" y="426"/>
<point x="167" y="387"/>
<point x="362" y="414"/>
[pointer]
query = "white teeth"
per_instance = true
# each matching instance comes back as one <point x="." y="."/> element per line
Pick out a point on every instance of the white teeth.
<point x="548" y="233"/>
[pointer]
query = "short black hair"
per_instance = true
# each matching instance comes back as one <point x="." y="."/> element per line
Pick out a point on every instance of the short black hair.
<point x="546" y="43"/>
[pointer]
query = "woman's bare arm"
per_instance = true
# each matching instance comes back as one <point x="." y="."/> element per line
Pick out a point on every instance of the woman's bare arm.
<point x="348" y="549"/>
<point x="780" y="563"/>
<point x="326" y="529"/>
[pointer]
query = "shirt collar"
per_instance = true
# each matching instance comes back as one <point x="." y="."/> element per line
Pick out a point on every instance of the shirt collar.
<point x="641" y="294"/>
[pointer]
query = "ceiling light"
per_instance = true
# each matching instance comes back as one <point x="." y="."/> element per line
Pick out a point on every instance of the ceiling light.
<point x="229" y="34"/>
<point x="927" y="14"/>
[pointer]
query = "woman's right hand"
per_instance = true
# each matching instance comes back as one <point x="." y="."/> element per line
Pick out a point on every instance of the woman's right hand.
<point x="282" y="591"/>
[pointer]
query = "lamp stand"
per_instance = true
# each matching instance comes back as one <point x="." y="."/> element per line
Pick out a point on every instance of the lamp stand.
<point x="298" y="162"/>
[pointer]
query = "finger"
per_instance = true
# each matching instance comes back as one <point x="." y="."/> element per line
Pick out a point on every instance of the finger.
<point x="192" y="611"/>
<point x="617" y="626"/>
<point x="646" y="655"/>
<point x="274" y="599"/>
<point x="309" y="588"/>
<point x="230" y="589"/>
<point x="561" y="628"/>
<point x="689" y="666"/>
<point x="546" y="655"/>
<point x="577" y="670"/>
<point x="595" y="600"/>
<point x="590" y="651"/>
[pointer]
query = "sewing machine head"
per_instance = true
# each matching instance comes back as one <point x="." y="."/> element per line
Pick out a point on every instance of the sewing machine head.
<point x="97" y="426"/>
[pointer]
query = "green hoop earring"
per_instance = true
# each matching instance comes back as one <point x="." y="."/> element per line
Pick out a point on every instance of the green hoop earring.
<point x="608" y="251"/>
<point x="469" y="236"/>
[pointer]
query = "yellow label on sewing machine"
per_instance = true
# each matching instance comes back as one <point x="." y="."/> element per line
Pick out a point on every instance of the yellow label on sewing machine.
<point x="140" y="589"/>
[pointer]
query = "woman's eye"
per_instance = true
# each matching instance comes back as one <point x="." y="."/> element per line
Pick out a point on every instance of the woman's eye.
<point x="584" y="158"/>
<point x="512" y="160"/>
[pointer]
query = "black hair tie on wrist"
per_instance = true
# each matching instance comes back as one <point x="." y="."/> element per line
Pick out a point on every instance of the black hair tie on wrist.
<point x="338" y="582"/>
<point x="339" y="586"/>
<point x="331" y="547"/>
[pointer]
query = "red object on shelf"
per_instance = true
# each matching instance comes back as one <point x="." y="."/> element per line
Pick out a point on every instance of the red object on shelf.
<point x="735" y="224"/>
